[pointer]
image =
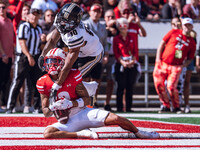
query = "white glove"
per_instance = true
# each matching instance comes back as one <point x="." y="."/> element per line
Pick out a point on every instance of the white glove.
<point x="91" y="87"/>
<point x="52" y="106"/>
<point x="63" y="104"/>
<point x="56" y="87"/>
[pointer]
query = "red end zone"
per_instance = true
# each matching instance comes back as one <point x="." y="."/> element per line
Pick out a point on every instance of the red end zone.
<point x="27" y="133"/>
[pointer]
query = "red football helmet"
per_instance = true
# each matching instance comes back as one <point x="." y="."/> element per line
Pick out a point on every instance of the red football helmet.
<point x="54" y="61"/>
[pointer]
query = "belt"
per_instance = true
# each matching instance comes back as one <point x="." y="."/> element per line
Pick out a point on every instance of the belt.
<point x="19" y="54"/>
<point x="111" y="55"/>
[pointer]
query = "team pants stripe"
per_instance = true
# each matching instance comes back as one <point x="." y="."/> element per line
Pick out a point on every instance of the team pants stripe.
<point x="89" y="65"/>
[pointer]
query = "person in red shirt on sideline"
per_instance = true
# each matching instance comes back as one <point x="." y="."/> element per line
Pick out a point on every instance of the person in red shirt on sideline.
<point x="73" y="97"/>
<point x="126" y="67"/>
<point x="175" y="51"/>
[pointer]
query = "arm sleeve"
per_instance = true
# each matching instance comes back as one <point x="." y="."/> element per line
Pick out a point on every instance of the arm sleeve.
<point x="40" y="86"/>
<point x="18" y="15"/>
<point x="76" y="42"/>
<point x="77" y="76"/>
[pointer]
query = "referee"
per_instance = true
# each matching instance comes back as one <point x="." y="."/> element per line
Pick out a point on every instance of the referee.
<point x="25" y="66"/>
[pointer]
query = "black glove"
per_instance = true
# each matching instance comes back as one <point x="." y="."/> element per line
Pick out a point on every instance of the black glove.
<point x="41" y="62"/>
<point x="52" y="97"/>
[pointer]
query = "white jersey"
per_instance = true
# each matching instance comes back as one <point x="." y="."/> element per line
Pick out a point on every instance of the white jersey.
<point x="83" y="37"/>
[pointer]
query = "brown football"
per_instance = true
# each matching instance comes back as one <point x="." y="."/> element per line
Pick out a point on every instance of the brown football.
<point x="62" y="115"/>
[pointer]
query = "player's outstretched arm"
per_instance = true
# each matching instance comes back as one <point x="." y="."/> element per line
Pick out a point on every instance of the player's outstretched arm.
<point x="45" y="105"/>
<point x="49" y="45"/>
<point x="69" y="61"/>
<point x="55" y="36"/>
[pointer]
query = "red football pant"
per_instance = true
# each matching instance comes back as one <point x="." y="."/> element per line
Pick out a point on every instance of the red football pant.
<point x="171" y="73"/>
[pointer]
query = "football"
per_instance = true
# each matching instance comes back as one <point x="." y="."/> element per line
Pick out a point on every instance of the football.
<point x="62" y="115"/>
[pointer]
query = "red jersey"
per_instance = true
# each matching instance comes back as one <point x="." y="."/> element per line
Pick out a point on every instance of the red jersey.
<point x="124" y="48"/>
<point x="67" y="91"/>
<point x="177" y="42"/>
<point x="117" y="12"/>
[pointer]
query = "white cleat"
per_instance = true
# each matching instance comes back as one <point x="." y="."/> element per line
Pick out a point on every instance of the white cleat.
<point x="87" y="134"/>
<point x="147" y="135"/>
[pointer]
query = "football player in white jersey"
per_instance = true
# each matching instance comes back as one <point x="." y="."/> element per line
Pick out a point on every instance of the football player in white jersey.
<point x="84" y="47"/>
<point x="71" y="111"/>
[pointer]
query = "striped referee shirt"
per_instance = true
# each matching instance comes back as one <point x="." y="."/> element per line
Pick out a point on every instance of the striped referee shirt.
<point x="32" y="36"/>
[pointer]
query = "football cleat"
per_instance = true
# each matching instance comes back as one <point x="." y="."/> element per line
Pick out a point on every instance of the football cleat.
<point x="147" y="135"/>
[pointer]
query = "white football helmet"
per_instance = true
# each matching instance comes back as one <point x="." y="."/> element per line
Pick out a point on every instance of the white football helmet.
<point x="54" y="61"/>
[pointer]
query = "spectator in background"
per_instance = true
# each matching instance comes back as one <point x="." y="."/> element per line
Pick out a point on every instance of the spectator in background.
<point x="27" y="53"/>
<point x="175" y="51"/>
<point x="184" y="79"/>
<point x="6" y="53"/>
<point x="192" y="9"/>
<point x="121" y="7"/>
<point x="99" y="29"/>
<point x="109" y="59"/>
<point x="155" y="7"/>
<point x="109" y="4"/>
<point x="22" y="12"/>
<point x="188" y="74"/>
<point x="85" y="9"/>
<point x="47" y="21"/>
<point x="135" y="28"/>
<point x="171" y="9"/>
<point x="141" y="9"/>
<point x="44" y="5"/>
<point x="126" y="67"/>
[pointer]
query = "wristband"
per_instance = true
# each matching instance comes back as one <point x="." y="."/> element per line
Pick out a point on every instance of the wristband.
<point x="80" y="102"/>
<point x="55" y="86"/>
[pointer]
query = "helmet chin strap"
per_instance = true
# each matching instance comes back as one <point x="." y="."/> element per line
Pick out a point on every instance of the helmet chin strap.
<point x="53" y="71"/>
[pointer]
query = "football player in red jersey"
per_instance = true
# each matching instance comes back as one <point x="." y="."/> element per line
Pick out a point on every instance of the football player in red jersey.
<point x="71" y="100"/>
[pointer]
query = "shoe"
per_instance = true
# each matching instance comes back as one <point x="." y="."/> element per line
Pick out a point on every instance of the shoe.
<point x="96" y="105"/>
<point x="187" y="109"/>
<point x="28" y="109"/>
<point x="164" y="110"/>
<point x="177" y="110"/>
<point x="86" y="133"/>
<point x="2" y="110"/>
<point x="147" y="135"/>
<point x="9" y="111"/>
<point x="107" y="107"/>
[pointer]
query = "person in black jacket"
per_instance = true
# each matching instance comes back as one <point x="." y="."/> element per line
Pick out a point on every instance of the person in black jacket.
<point x="171" y="9"/>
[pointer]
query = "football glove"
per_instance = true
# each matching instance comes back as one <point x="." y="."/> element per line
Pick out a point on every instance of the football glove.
<point x="54" y="90"/>
<point x="52" y="106"/>
<point x="63" y="104"/>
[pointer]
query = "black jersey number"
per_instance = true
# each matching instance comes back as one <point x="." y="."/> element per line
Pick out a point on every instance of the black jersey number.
<point x="73" y="32"/>
<point x="88" y="30"/>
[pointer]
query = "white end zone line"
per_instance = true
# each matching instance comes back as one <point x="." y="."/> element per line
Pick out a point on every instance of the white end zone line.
<point x="110" y="142"/>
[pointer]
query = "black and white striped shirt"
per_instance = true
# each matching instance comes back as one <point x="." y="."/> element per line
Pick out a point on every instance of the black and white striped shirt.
<point x="32" y="36"/>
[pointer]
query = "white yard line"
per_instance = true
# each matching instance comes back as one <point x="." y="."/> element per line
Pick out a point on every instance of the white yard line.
<point x="109" y="142"/>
